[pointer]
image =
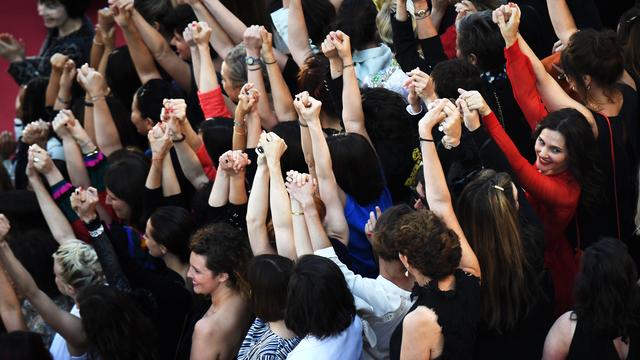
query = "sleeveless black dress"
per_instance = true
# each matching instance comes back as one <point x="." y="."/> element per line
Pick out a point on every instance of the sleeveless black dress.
<point x="458" y="313"/>
<point x="587" y="345"/>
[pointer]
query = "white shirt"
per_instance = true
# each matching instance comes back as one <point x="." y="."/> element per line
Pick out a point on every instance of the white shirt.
<point x="381" y="304"/>
<point x="58" y="348"/>
<point x="345" y="346"/>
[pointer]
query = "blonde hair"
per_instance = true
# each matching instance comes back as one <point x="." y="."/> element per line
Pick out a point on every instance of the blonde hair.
<point x="79" y="265"/>
<point x="383" y="21"/>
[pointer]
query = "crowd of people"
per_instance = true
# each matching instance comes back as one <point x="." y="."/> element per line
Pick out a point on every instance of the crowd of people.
<point x="323" y="179"/>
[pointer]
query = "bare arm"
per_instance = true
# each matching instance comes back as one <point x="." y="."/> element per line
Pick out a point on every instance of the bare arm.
<point x="73" y="157"/>
<point x="301" y="187"/>
<point x="298" y="33"/>
<point x="176" y="68"/>
<point x="57" y="64"/>
<point x="190" y="165"/>
<point x="233" y="26"/>
<point x="253" y="43"/>
<point x="56" y="221"/>
<point x="237" y="186"/>
<point x="282" y="99"/>
<point x="65" y="96"/>
<point x="170" y="184"/>
<point x="426" y="26"/>
<point x="208" y="78"/>
<point x="330" y="192"/>
<point x="257" y="209"/>
<point x="220" y="41"/>
<point x="558" y="341"/>
<point x="563" y="24"/>
<point x="436" y="190"/>
<point x="219" y="195"/>
<point x="10" y="310"/>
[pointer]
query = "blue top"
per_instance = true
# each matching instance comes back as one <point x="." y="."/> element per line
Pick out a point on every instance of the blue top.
<point x="362" y="257"/>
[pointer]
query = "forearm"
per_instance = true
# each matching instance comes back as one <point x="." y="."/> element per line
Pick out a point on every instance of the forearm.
<point x="55" y="219"/>
<point x="282" y="99"/>
<point x="191" y="137"/>
<point x="563" y="24"/>
<point x="64" y="97"/>
<point x="320" y="152"/>
<point x="352" y="113"/>
<point x="257" y="209"/>
<point x="104" y="59"/>
<point x="234" y="27"/>
<point x="195" y="64"/>
<point x="96" y="53"/>
<point x="22" y="280"/>
<point x="239" y="141"/>
<point x="426" y="28"/>
<point x="307" y="151"/>
<point x="267" y="118"/>
<point x="220" y="40"/>
<point x="154" y="178"/>
<point x="237" y="190"/>
<point x="280" y="211"/>
<point x="220" y="191"/>
<point x="140" y="55"/>
<point x="10" y="309"/>
<point x="190" y="165"/>
<point x="208" y="78"/>
<point x="254" y="129"/>
<point x="301" y="239"/>
<point x="107" y="135"/>
<point x="298" y="33"/>
<point x="89" y="125"/>
<point x="170" y="185"/>
<point x="75" y="163"/>
<point x="317" y="234"/>
<point x="52" y="87"/>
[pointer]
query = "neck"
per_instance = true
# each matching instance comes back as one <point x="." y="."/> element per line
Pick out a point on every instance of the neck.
<point x="221" y="295"/>
<point x="604" y="101"/>
<point x="173" y="263"/>
<point x="445" y="284"/>
<point x="280" y="329"/>
<point x="370" y="45"/>
<point x="394" y="271"/>
<point x="70" y="25"/>
<point x="329" y="122"/>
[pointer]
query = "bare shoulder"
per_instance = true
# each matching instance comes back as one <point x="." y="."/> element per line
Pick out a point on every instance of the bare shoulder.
<point x="558" y="341"/>
<point x="421" y="319"/>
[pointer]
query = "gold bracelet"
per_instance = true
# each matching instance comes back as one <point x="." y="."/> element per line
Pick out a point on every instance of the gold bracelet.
<point x="297" y="213"/>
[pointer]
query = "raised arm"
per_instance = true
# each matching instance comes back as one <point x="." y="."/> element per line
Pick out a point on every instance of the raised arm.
<point x="106" y="132"/>
<point x="64" y="100"/>
<point x="309" y="110"/>
<point x="237" y="186"/>
<point x="187" y="35"/>
<point x="55" y="218"/>
<point x="436" y="190"/>
<point x="352" y="113"/>
<point x="69" y="326"/>
<point x="273" y="147"/>
<point x="298" y="33"/>
<point x="563" y="24"/>
<point x="140" y="54"/>
<point x="233" y="26"/>
<point x="282" y="99"/>
<point x="208" y="78"/>
<point x="177" y="68"/>
<point x="10" y="309"/>
<point x="253" y="44"/>
<point x="220" y="41"/>
<point x="160" y="143"/>
<point x="257" y="210"/>
<point x="57" y="64"/>
<point x="72" y="154"/>
<point x="301" y="187"/>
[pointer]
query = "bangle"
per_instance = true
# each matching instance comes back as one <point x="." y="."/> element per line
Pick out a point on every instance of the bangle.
<point x="427" y="140"/>
<point x="88" y="103"/>
<point x="255" y="68"/>
<point x="297" y="213"/>
<point x="239" y="124"/>
<point x="179" y="140"/>
<point x="346" y="66"/>
<point x="301" y="124"/>
<point x="63" y="101"/>
<point x="97" y="232"/>
<point x="269" y="62"/>
<point x="97" y="97"/>
<point x="91" y="153"/>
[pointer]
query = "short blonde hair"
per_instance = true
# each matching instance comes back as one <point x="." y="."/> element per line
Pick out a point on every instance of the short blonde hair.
<point x="79" y="265"/>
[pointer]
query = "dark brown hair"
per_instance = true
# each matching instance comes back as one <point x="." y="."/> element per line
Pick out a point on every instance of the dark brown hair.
<point x="268" y="277"/>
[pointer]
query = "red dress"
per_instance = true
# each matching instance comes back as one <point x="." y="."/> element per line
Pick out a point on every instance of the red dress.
<point x="555" y="199"/>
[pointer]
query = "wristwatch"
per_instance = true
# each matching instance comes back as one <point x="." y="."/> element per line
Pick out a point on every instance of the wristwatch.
<point x="250" y="60"/>
<point x="421" y="14"/>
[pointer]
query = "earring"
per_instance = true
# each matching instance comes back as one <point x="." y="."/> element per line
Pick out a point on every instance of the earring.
<point x="406" y="273"/>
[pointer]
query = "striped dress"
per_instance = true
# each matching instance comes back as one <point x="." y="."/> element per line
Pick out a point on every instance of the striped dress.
<point x="262" y="343"/>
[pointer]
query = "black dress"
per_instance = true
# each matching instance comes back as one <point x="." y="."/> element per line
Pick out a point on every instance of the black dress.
<point x="586" y="344"/>
<point x="458" y="313"/>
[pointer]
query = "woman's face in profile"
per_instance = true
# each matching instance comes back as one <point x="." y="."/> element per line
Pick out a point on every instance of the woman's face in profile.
<point x="53" y="13"/>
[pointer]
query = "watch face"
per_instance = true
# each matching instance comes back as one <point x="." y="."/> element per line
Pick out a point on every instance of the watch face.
<point x="250" y="60"/>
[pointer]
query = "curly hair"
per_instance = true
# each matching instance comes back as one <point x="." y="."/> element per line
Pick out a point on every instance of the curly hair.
<point x="384" y="234"/>
<point x="79" y="264"/>
<point x="429" y="245"/>
<point x="227" y="251"/>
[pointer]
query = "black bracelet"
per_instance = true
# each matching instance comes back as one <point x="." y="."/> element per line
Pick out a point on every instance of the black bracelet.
<point x="303" y="125"/>
<point x="179" y="140"/>
<point x="255" y="69"/>
<point x="427" y="140"/>
<point x="269" y="63"/>
<point x="88" y="103"/>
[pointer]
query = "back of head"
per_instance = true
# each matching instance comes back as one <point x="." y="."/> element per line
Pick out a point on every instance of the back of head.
<point x="384" y="233"/>
<point x="629" y="39"/>
<point x="318" y="15"/>
<point x="429" y="245"/>
<point x="121" y="76"/>
<point x="23" y="345"/>
<point x="236" y="65"/>
<point x="268" y="277"/>
<point x="151" y="96"/>
<point x="607" y="296"/>
<point x="126" y="175"/>
<point x="153" y="10"/>
<point x="489" y="217"/>
<point x="385" y="116"/>
<point x="227" y="251"/>
<point x="593" y="53"/>
<point x="312" y="78"/>
<point x="356" y="167"/>
<point x="448" y="76"/>
<point x="293" y="158"/>
<point x="479" y="38"/>
<point x="357" y="19"/>
<point x="75" y="8"/>
<point x="172" y="228"/>
<point x="217" y="136"/>
<point x="33" y="103"/>
<point x="584" y="158"/>
<point x="34" y="249"/>
<point x="114" y="325"/>
<point x="177" y="19"/>
<point x="319" y="302"/>
<point x="79" y="264"/>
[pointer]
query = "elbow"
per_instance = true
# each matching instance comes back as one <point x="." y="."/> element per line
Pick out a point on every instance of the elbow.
<point x="255" y="220"/>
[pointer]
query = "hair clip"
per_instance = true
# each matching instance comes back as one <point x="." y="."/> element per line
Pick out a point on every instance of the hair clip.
<point x="499" y="187"/>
